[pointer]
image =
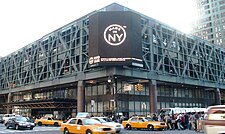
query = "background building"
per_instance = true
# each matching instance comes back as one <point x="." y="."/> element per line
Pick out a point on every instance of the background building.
<point x="211" y="21"/>
<point x="113" y="60"/>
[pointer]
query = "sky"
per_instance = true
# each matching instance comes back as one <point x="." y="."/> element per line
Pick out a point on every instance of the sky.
<point x="25" y="21"/>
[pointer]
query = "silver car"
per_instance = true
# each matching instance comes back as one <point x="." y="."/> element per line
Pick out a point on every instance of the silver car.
<point x="104" y="120"/>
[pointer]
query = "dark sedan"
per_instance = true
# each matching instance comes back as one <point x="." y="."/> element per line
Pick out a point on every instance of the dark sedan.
<point x="19" y="122"/>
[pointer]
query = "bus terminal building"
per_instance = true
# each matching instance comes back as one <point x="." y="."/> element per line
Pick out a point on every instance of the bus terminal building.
<point x="113" y="60"/>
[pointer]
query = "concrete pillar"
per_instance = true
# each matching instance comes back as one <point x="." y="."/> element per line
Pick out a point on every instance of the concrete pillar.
<point x="9" y="100"/>
<point x="218" y="96"/>
<point x="80" y="97"/>
<point x="153" y="96"/>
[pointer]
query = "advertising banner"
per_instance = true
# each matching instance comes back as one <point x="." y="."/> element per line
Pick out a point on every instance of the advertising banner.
<point x="115" y="39"/>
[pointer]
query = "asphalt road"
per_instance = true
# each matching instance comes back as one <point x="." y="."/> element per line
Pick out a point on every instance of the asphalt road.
<point x="55" y="130"/>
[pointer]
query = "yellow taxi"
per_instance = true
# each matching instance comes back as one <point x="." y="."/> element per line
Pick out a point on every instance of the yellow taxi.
<point x="48" y="121"/>
<point x="142" y="123"/>
<point x="214" y="122"/>
<point x="85" y="126"/>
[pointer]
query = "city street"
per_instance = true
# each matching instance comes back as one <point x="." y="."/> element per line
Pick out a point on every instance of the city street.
<point x="55" y="130"/>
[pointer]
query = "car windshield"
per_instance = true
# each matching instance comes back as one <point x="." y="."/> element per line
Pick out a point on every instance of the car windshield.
<point x="91" y="122"/>
<point x="21" y="119"/>
<point x="149" y="119"/>
<point x="101" y="120"/>
<point x="142" y="120"/>
<point x="107" y="119"/>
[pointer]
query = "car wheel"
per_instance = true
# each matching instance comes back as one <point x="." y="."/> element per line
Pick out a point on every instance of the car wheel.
<point x="31" y="128"/>
<point x="150" y="127"/>
<point x="66" y="131"/>
<point x="88" y="132"/>
<point x="39" y="124"/>
<point x="128" y="127"/>
<point x="56" y="124"/>
<point x="7" y="126"/>
<point x="17" y="127"/>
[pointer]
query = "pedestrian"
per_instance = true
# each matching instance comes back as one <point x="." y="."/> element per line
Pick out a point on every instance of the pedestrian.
<point x="179" y="126"/>
<point x="197" y="116"/>
<point x="167" y="119"/>
<point x="155" y="117"/>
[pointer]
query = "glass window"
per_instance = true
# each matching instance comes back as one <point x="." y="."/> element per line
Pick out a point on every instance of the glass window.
<point x="163" y="104"/>
<point x="106" y="105"/>
<point x="143" y="90"/>
<point x="104" y="89"/>
<point x="163" y="92"/>
<point x="100" y="106"/>
<point x="175" y="92"/>
<point x="100" y="89"/>
<point x="158" y="105"/>
<point x="131" y="113"/>
<point x="147" y="90"/>
<point x="147" y="106"/>
<point x="167" y="104"/>
<point x="133" y="120"/>
<point x="131" y="106"/>
<point x="141" y="120"/>
<point x="132" y="90"/>
<point x="167" y="92"/>
<point x="88" y="107"/>
<point x="175" y="104"/>
<point x="94" y="90"/>
<point x="186" y="93"/>
<point x="137" y="106"/>
<point x="183" y="92"/>
<point x="119" y="88"/>
<point x="137" y="92"/>
<point x="179" y="92"/>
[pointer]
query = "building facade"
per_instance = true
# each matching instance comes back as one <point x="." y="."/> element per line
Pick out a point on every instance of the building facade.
<point x="114" y="60"/>
<point x="211" y="21"/>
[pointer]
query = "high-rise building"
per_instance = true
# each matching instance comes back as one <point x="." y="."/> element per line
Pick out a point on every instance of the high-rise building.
<point x="210" y="23"/>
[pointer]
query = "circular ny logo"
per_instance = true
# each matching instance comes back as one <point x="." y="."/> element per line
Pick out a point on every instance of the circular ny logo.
<point x="91" y="60"/>
<point x="115" y="34"/>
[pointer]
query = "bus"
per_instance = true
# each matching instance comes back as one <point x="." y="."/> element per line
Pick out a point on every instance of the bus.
<point x="178" y="110"/>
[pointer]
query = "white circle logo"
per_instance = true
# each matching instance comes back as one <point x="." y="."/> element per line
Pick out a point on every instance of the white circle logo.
<point x="91" y="60"/>
<point x="115" y="34"/>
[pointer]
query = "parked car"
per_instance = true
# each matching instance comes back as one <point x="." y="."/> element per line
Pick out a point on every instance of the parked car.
<point x="104" y="120"/>
<point x="85" y="126"/>
<point x="142" y="123"/>
<point x="215" y="120"/>
<point x="19" y="122"/>
<point x="48" y="121"/>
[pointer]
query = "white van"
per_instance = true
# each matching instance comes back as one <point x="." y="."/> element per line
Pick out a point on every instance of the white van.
<point x="6" y="117"/>
<point x="215" y="121"/>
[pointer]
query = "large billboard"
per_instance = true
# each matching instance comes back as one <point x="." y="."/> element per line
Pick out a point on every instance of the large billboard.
<point x="115" y="39"/>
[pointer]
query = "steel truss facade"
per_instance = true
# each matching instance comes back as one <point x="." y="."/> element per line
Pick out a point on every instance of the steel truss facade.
<point x="63" y="54"/>
<point x="167" y="51"/>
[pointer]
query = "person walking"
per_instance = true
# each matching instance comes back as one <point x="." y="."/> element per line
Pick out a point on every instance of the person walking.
<point x="196" y="117"/>
<point x="179" y="127"/>
<point x="168" y="119"/>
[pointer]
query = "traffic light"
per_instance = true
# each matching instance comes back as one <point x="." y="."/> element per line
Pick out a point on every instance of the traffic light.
<point x="138" y="87"/>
